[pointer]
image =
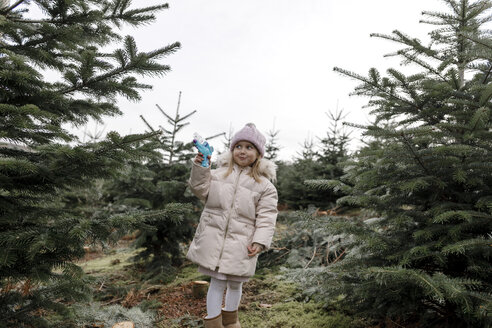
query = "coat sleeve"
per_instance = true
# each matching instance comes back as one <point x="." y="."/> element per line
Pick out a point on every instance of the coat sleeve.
<point x="199" y="181"/>
<point x="266" y="217"/>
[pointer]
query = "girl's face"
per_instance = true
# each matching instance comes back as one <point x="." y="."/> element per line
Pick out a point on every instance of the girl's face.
<point x="245" y="153"/>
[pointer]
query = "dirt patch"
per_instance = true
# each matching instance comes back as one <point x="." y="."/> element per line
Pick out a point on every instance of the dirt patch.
<point x="178" y="302"/>
<point x="174" y="302"/>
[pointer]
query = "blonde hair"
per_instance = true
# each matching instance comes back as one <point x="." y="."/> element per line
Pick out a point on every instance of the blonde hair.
<point x="255" y="168"/>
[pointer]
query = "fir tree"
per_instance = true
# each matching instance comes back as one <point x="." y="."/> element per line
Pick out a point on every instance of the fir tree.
<point x="40" y="236"/>
<point x="156" y="185"/>
<point x="307" y="151"/>
<point x="291" y="188"/>
<point x="320" y="164"/>
<point x="171" y="146"/>
<point x="158" y="189"/>
<point x="271" y="147"/>
<point x="333" y="148"/>
<point x="426" y="258"/>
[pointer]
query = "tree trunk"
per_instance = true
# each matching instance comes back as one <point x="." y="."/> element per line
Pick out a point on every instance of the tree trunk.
<point x="199" y="288"/>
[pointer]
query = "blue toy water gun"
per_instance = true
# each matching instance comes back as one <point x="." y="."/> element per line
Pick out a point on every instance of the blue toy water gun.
<point x="203" y="147"/>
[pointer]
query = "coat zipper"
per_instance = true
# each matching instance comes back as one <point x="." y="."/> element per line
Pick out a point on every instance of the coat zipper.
<point x="229" y="216"/>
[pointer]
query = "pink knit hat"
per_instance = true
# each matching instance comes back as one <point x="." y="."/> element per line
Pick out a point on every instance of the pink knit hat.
<point x="251" y="134"/>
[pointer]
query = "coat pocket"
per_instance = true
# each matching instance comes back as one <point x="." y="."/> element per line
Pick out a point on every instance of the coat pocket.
<point x="201" y="225"/>
<point x="244" y="232"/>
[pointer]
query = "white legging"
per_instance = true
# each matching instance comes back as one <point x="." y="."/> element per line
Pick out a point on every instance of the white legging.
<point x="216" y="293"/>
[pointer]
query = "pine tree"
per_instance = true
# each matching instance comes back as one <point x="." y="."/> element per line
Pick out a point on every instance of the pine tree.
<point x="170" y="145"/>
<point x="40" y="234"/>
<point x="159" y="189"/>
<point x="291" y="188"/>
<point x="307" y="151"/>
<point x="295" y="179"/>
<point x="156" y="185"/>
<point x="333" y="148"/>
<point x="426" y="258"/>
<point x="271" y="147"/>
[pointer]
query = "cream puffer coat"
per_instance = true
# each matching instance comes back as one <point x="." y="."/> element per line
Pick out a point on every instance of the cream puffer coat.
<point x="238" y="212"/>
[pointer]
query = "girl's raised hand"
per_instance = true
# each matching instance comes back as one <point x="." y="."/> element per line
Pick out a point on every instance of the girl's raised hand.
<point x="254" y="249"/>
<point x="199" y="158"/>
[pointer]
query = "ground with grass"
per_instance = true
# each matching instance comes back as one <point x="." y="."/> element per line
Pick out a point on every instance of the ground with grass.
<point x="269" y="299"/>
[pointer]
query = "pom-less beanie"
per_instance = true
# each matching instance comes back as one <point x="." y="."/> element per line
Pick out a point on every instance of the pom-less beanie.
<point x="250" y="133"/>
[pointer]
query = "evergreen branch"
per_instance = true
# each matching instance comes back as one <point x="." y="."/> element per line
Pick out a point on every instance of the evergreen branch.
<point x="215" y="136"/>
<point x="484" y="81"/>
<point x="470" y="244"/>
<point x="39" y="21"/>
<point x="374" y="85"/>
<point x="6" y="11"/>
<point x="415" y="155"/>
<point x="129" y="141"/>
<point x="165" y="130"/>
<point x="127" y="17"/>
<point x="100" y="152"/>
<point x="414" y="44"/>
<point x="442" y="16"/>
<point x="103" y="77"/>
<point x="164" y="113"/>
<point x="421" y="276"/>
<point x="425" y="65"/>
<point x="34" y="43"/>
<point x="186" y="116"/>
<point x="147" y="123"/>
<point x="335" y="185"/>
<point x="477" y="40"/>
<point x="179" y="126"/>
<point x="446" y="217"/>
<point x="480" y="116"/>
<point x="134" y="65"/>
<point x="430" y="22"/>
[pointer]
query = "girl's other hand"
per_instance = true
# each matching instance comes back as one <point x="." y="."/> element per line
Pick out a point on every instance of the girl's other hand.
<point x="254" y="249"/>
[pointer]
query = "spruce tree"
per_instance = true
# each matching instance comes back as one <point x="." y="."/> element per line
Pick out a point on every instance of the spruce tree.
<point x="159" y="190"/>
<point x="321" y="164"/>
<point x="334" y="146"/>
<point x="291" y="188"/>
<point x="155" y="185"/>
<point x="41" y="235"/>
<point x="425" y="259"/>
<point x="307" y="151"/>
<point x="173" y="148"/>
<point x="271" y="147"/>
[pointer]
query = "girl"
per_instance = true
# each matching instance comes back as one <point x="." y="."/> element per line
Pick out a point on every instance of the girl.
<point x="237" y="223"/>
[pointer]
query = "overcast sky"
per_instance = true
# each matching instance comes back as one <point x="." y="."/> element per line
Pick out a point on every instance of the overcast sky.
<point x="267" y="61"/>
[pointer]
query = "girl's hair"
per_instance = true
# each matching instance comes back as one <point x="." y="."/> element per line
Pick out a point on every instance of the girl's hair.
<point x="255" y="168"/>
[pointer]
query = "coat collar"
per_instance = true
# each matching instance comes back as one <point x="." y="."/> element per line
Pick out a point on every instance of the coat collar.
<point x="267" y="168"/>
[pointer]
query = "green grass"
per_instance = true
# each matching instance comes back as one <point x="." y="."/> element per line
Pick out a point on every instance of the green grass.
<point x="186" y="274"/>
<point x="288" y="307"/>
<point x="104" y="264"/>
<point x="294" y="314"/>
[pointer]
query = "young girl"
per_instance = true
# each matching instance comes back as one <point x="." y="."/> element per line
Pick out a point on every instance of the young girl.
<point x="237" y="223"/>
